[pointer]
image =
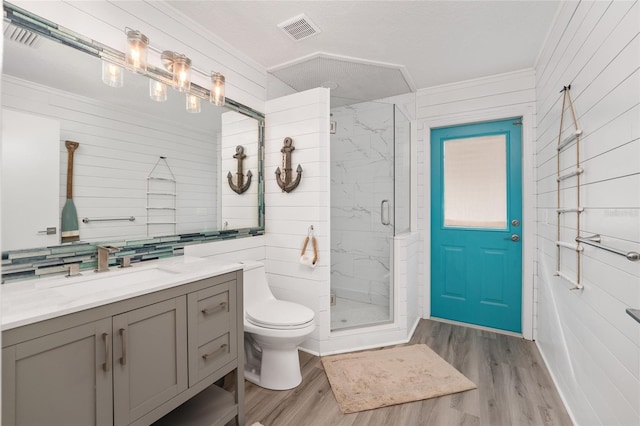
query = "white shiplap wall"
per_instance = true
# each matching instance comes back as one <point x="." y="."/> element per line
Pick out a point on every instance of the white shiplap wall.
<point x="118" y="149"/>
<point x="590" y="345"/>
<point x="305" y="118"/>
<point x="238" y="250"/>
<point x="491" y="98"/>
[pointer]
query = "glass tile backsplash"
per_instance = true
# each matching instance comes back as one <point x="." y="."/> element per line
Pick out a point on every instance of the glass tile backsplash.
<point x="47" y="261"/>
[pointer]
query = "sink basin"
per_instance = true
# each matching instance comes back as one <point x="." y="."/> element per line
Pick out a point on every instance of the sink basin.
<point x="92" y="282"/>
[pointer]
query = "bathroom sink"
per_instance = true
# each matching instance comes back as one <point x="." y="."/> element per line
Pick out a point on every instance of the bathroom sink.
<point x="91" y="282"/>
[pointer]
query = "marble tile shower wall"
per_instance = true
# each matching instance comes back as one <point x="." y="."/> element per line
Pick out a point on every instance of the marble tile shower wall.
<point x="40" y="262"/>
<point x="361" y="177"/>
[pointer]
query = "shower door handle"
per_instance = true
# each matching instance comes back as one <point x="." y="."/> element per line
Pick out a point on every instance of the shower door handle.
<point x="382" y="209"/>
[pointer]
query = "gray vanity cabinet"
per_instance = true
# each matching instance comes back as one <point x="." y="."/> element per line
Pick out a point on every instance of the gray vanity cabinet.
<point x="149" y="358"/>
<point x="153" y="357"/>
<point x="63" y="378"/>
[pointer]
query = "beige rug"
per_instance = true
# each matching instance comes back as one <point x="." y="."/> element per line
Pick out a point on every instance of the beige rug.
<point x="373" y="379"/>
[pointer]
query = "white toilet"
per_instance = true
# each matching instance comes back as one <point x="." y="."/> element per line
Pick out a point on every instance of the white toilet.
<point x="273" y="330"/>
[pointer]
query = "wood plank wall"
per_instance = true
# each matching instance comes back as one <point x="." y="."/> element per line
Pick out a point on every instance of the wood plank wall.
<point x="591" y="346"/>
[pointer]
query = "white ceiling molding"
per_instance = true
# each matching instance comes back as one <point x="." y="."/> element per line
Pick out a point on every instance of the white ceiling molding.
<point x="351" y="79"/>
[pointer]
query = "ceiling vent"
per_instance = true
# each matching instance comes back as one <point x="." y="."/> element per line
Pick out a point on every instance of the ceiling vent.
<point x="20" y="35"/>
<point x="299" y="27"/>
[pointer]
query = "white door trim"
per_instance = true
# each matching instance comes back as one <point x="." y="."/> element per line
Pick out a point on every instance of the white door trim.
<point x="526" y="111"/>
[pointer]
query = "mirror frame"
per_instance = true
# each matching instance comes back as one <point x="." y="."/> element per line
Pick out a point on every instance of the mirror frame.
<point x="23" y="264"/>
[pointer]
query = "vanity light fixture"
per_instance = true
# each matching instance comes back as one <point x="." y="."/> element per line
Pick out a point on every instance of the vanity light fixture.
<point x="193" y="103"/>
<point x="157" y="90"/>
<point x="217" y="91"/>
<point x="112" y="74"/>
<point x="179" y="69"/>
<point x="136" y="56"/>
<point x="180" y="66"/>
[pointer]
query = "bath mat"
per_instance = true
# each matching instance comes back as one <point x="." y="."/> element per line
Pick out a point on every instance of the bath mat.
<point x="373" y="379"/>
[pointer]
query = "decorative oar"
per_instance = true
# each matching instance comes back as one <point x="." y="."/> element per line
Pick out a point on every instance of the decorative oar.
<point x="69" y="228"/>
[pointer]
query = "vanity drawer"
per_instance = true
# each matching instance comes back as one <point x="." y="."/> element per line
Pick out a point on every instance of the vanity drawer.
<point x="212" y="330"/>
<point x="215" y="354"/>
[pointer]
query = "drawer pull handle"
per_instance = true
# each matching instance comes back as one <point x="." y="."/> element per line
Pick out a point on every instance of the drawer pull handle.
<point x="123" y="335"/>
<point x="221" y="306"/>
<point x="222" y="348"/>
<point x="107" y="353"/>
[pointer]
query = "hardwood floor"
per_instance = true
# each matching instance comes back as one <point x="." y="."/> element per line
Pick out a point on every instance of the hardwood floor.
<point x="514" y="388"/>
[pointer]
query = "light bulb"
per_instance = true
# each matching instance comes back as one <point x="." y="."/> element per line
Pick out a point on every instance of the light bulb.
<point x="193" y="104"/>
<point x="217" y="91"/>
<point x="182" y="73"/>
<point x="138" y="48"/>
<point x="157" y="91"/>
<point x="180" y="67"/>
<point x="112" y="74"/>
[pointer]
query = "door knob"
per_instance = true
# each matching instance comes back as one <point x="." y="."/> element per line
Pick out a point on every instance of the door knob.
<point x="513" y="237"/>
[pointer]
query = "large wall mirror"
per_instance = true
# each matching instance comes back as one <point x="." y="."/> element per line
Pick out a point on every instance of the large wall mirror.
<point x="142" y="168"/>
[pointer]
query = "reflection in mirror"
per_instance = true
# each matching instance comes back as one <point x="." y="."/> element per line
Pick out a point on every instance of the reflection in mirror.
<point x="137" y="158"/>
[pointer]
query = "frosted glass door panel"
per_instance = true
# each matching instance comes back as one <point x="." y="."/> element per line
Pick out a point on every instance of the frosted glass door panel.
<point x="475" y="182"/>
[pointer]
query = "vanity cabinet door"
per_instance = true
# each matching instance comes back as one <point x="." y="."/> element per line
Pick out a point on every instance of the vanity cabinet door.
<point x="149" y="358"/>
<point x="60" y="379"/>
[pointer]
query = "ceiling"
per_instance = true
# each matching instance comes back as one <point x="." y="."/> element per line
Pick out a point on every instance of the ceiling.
<point x="430" y="42"/>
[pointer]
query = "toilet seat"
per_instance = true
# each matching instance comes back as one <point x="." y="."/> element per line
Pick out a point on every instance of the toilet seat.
<point x="279" y="314"/>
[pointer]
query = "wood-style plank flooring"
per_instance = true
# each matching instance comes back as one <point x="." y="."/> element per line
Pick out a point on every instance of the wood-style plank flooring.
<point x="514" y="388"/>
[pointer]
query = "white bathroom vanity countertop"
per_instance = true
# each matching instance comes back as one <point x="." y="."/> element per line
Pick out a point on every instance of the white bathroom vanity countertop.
<point x="27" y="302"/>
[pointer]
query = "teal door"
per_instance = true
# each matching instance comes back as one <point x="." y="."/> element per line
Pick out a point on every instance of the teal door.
<point x="476" y="231"/>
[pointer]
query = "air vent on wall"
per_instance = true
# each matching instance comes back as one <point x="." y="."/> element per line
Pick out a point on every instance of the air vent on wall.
<point x="299" y="27"/>
<point x="20" y="35"/>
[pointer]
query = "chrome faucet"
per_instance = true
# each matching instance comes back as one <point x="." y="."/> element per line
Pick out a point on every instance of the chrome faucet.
<point x="103" y="257"/>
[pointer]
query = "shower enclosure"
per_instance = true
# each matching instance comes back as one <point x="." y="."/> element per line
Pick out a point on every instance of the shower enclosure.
<point x="370" y="204"/>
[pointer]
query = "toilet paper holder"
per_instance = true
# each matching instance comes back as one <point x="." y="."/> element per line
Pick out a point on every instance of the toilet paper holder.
<point x="306" y="259"/>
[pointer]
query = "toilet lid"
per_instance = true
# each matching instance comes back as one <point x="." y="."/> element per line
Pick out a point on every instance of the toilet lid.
<point x="279" y="314"/>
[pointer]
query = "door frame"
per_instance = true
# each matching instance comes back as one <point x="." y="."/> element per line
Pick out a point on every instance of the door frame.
<point x="528" y="201"/>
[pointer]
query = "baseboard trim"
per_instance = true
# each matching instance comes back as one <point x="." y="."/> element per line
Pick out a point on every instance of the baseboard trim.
<point x="555" y="382"/>
<point x="478" y="327"/>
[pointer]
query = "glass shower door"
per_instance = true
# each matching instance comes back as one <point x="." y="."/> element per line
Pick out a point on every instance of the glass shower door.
<point x="402" y="172"/>
<point x="362" y="214"/>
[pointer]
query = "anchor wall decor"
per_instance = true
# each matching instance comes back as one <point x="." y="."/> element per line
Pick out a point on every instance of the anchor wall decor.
<point x="287" y="185"/>
<point x="241" y="186"/>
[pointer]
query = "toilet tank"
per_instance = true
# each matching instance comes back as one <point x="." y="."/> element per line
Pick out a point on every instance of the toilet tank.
<point x="255" y="286"/>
